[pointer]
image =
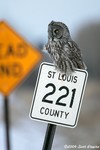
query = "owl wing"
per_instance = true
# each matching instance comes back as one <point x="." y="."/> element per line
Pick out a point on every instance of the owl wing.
<point x="74" y="54"/>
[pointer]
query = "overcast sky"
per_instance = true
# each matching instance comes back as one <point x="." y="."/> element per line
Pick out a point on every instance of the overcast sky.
<point x="31" y="17"/>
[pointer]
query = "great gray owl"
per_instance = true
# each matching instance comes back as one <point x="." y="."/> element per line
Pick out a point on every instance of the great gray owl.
<point x="64" y="52"/>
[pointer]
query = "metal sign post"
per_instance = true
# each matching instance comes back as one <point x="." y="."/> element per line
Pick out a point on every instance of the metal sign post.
<point x="48" y="141"/>
<point x="6" y="113"/>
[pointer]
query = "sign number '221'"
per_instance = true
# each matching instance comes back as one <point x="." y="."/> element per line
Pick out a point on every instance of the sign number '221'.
<point x="58" y="101"/>
<point x="58" y="97"/>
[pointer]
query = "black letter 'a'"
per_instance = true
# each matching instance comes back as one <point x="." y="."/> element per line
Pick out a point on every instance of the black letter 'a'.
<point x="10" y="50"/>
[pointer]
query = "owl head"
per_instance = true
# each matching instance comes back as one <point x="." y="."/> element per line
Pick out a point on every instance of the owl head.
<point x="58" y="30"/>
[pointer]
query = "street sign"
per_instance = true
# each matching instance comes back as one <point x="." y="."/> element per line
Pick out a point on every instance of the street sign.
<point x="17" y="58"/>
<point x="58" y="97"/>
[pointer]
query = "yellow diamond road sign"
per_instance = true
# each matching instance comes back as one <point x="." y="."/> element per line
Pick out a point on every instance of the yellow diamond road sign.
<point x="17" y="58"/>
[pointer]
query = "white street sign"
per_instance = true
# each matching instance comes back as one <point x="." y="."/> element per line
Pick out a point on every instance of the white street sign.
<point x="58" y="97"/>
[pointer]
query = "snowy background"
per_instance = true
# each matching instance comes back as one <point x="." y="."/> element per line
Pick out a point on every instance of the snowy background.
<point x="30" y="19"/>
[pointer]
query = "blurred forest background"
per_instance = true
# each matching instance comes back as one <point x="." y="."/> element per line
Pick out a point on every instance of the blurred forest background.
<point x="30" y="19"/>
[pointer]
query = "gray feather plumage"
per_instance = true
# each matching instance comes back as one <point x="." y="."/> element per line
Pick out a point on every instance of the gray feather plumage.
<point x="64" y="52"/>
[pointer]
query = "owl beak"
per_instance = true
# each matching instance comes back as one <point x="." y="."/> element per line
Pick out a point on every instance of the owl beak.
<point x="51" y="36"/>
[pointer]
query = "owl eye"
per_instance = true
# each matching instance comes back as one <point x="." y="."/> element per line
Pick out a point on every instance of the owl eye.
<point x="57" y="33"/>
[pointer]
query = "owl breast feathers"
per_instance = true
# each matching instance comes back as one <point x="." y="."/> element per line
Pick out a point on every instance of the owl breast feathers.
<point x="64" y="52"/>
